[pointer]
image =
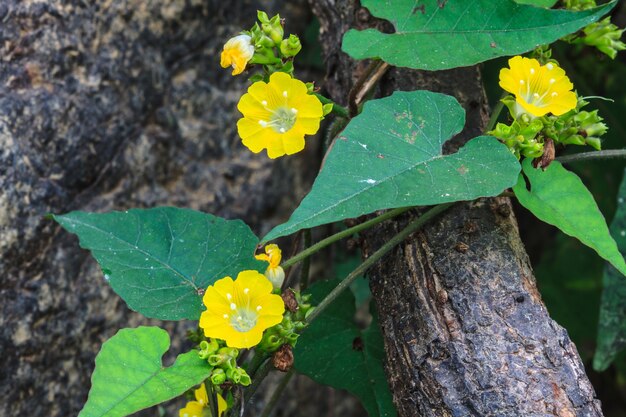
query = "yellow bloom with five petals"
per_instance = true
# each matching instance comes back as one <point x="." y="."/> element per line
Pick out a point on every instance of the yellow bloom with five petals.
<point x="274" y="271"/>
<point x="200" y="407"/>
<point x="538" y="89"/>
<point x="237" y="52"/>
<point x="239" y="311"/>
<point x="277" y="115"/>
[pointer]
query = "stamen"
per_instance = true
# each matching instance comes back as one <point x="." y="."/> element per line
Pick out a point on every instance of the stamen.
<point x="284" y="93"/>
<point x="535" y="95"/>
<point x="555" y="94"/>
<point x="246" y="290"/>
<point x="294" y="111"/>
<point x="225" y="316"/>
<point x="521" y="82"/>
<point x="229" y="296"/>
<point x="239" y="318"/>
<point x="264" y="102"/>
<point x="258" y="308"/>
<point x="552" y="80"/>
<point x="532" y="70"/>
<point x="281" y="130"/>
<point x="263" y="123"/>
<point x="550" y="66"/>
<point x="233" y="306"/>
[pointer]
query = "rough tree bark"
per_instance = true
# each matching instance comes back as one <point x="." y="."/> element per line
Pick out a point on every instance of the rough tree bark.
<point x="466" y="332"/>
<point x="108" y="105"/>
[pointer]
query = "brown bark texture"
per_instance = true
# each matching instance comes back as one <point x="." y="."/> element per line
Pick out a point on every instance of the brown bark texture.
<point x="107" y="105"/>
<point x="466" y="332"/>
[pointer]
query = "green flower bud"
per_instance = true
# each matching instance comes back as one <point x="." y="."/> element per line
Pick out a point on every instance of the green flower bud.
<point x="262" y="16"/>
<point x="218" y="376"/>
<point x="217" y="359"/>
<point x="595" y="143"/>
<point x="238" y="376"/>
<point x="291" y="46"/>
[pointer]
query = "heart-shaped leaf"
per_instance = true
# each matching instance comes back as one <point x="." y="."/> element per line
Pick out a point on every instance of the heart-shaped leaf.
<point x="391" y="156"/>
<point x="612" y="322"/>
<point x="334" y="351"/>
<point x="129" y="375"/>
<point x="558" y="197"/>
<point x="442" y="34"/>
<point x="160" y="260"/>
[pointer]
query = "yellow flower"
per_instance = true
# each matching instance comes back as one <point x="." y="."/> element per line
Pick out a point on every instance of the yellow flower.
<point x="200" y="407"/>
<point x="538" y="89"/>
<point x="274" y="271"/>
<point x="239" y="311"/>
<point x="238" y="51"/>
<point x="277" y="115"/>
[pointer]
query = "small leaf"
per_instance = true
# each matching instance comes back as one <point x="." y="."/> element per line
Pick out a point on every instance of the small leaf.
<point x="334" y="351"/>
<point x="129" y="375"/>
<point x="558" y="197"/>
<point x="159" y="260"/>
<point x="390" y="156"/>
<point x="442" y="34"/>
<point x="612" y="321"/>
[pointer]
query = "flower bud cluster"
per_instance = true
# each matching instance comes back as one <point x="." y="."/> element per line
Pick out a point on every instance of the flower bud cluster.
<point x="525" y="136"/>
<point x="223" y="359"/>
<point x="603" y="35"/>
<point x="271" y="48"/>
<point x="287" y="332"/>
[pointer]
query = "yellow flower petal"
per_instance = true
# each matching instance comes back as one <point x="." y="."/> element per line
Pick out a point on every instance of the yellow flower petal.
<point x="277" y="115"/>
<point x="293" y="141"/>
<point x="201" y="395"/>
<point x="538" y="89"/>
<point x="237" y="53"/>
<point x="222" y="405"/>
<point x="237" y="310"/>
<point x="193" y="408"/>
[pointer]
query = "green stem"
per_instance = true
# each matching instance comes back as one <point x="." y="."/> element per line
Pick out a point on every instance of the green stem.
<point x="255" y="363"/>
<point x="585" y="156"/>
<point x="277" y="393"/>
<point x="306" y="264"/>
<point x="397" y="239"/>
<point x="339" y="111"/>
<point x="345" y="233"/>
<point x="495" y="113"/>
<point x="212" y="399"/>
<point x="259" y="376"/>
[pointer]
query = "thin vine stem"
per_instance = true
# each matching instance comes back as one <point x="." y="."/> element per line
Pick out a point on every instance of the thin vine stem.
<point x="393" y="242"/>
<point x="340" y="235"/>
<point x="306" y="264"/>
<point x="267" y="410"/>
<point x="587" y="156"/>
<point x="259" y="376"/>
<point x="212" y="399"/>
<point x="495" y="113"/>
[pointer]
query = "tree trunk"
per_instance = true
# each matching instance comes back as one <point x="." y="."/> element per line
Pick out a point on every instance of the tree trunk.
<point x="466" y="332"/>
<point x="106" y="105"/>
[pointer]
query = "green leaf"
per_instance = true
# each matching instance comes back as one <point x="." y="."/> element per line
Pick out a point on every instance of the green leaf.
<point x="334" y="351"/>
<point x="390" y="156"/>
<point x="159" y="260"/>
<point x="129" y="375"/>
<point x="538" y="3"/>
<point x="612" y="321"/>
<point x="558" y="197"/>
<point x="441" y="34"/>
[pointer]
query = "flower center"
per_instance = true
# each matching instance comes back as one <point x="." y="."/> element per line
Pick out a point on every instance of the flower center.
<point x="282" y="119"/>
<point x="243" y="319"/>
